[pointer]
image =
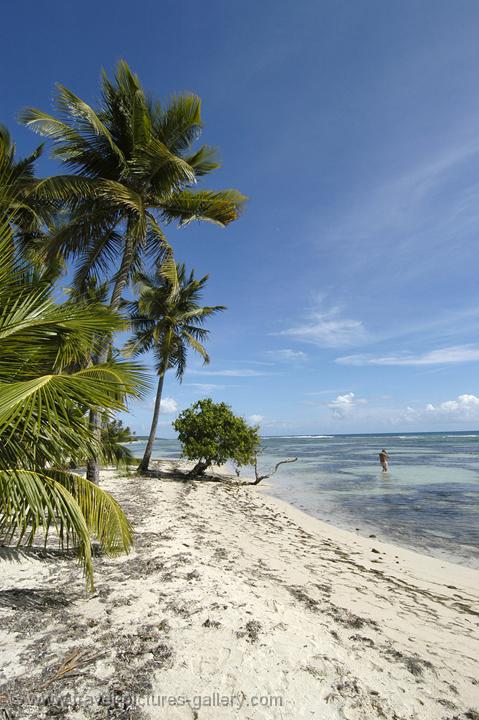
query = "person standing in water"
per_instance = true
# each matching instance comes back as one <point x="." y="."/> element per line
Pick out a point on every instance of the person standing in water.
<point x="383" y="459"/>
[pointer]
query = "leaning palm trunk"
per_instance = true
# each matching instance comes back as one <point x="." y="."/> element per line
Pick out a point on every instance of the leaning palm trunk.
<point x="145" y="463"/>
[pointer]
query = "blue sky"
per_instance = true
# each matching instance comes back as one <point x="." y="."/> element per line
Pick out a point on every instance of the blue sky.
<point x="353" y="127"/>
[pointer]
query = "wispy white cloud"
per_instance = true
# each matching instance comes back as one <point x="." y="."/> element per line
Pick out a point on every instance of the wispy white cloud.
<point x="344" y="405"/>
<point x="208" y="387"/>
<point x="286" y="355"/>
<point x="267" y="363"/>
<point x="335" y="391"/>
<point x="240" y="372"/>
<point x="441" y="356"/>
<point x="405" y="205"/>
<point x="328" y="329"/>
<point x="168" y="405"/>
<point x="255" y="419"/>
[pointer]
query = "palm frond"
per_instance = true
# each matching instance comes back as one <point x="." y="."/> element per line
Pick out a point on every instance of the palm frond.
<point x="46" y="400"/>
<point x="49" y="126"/>
<point x="63" y="188"/>
<point x="164" y="171"/>
<point x="86" y="119"/>
<point x="204" y="160"/>
<point x="104" y="517"/>
<point x="33" y="502"/>
<point x="220" y="207"/>
<point x="156" y="246"/>
<point x="169" y="271"/>
<point x="197" y="346"/>
<point x="180" y="124"/>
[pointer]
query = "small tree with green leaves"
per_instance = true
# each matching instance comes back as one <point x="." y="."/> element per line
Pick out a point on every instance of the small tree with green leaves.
<point x="212" y="434"/>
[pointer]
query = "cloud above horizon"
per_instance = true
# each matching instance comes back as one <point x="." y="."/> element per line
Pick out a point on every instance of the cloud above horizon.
<point x="207" y="387"/>
<point x="168" y="405"/>
<point x="464" y="407"/>
<point x="241" y="372"/>
<point x="328" y="329"/>
<point x="286" y="355"/>
<point x="441" y="356"/>
<point x="344" y="405"/>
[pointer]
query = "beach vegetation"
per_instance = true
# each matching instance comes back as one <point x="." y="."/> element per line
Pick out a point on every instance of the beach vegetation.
<point x="168" y="319"/>
<point x="212" y="434"/>
<point x="114" y="438"/>
<point x="132" y="166"/>
<point x="25" y="217"/>
<point x="44" y="403"/>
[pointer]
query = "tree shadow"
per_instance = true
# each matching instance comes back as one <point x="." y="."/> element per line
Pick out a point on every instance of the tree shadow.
<point x="15" y="554"/>
<point x="186" y="477"/>
<point x="32" y="599"/>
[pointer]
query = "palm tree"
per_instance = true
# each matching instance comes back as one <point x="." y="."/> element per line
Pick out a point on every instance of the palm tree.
<point x="43" y="412"/>
<point x="168" y="319"/>
<point x="134" y="168"/>
<point x="27" y="215"/>
<point x="114" y="436"/>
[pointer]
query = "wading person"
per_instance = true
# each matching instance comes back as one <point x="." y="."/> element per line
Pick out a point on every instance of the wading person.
<point x="383" y="459"/>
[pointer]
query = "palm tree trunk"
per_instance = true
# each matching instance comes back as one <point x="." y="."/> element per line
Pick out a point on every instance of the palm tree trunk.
<point x="145" y="463"/>
<point x="93" y="467"/>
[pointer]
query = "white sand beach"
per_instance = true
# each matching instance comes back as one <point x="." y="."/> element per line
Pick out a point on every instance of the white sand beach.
<point x="236" y="605"/>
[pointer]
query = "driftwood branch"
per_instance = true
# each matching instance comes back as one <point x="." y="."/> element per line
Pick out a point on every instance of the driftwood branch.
<point x="259" y="477"/>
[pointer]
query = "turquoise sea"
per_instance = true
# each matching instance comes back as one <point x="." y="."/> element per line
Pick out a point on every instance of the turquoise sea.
<point x="428" y="501"/>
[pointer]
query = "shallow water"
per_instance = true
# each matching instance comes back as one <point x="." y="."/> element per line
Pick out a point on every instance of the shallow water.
<point x="429" y="500"/>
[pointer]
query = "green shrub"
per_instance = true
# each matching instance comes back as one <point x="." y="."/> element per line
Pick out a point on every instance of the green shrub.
<point x="211" y="434"/>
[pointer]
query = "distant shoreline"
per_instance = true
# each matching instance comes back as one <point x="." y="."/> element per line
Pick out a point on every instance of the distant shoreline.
<point x="456" y="433"/>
